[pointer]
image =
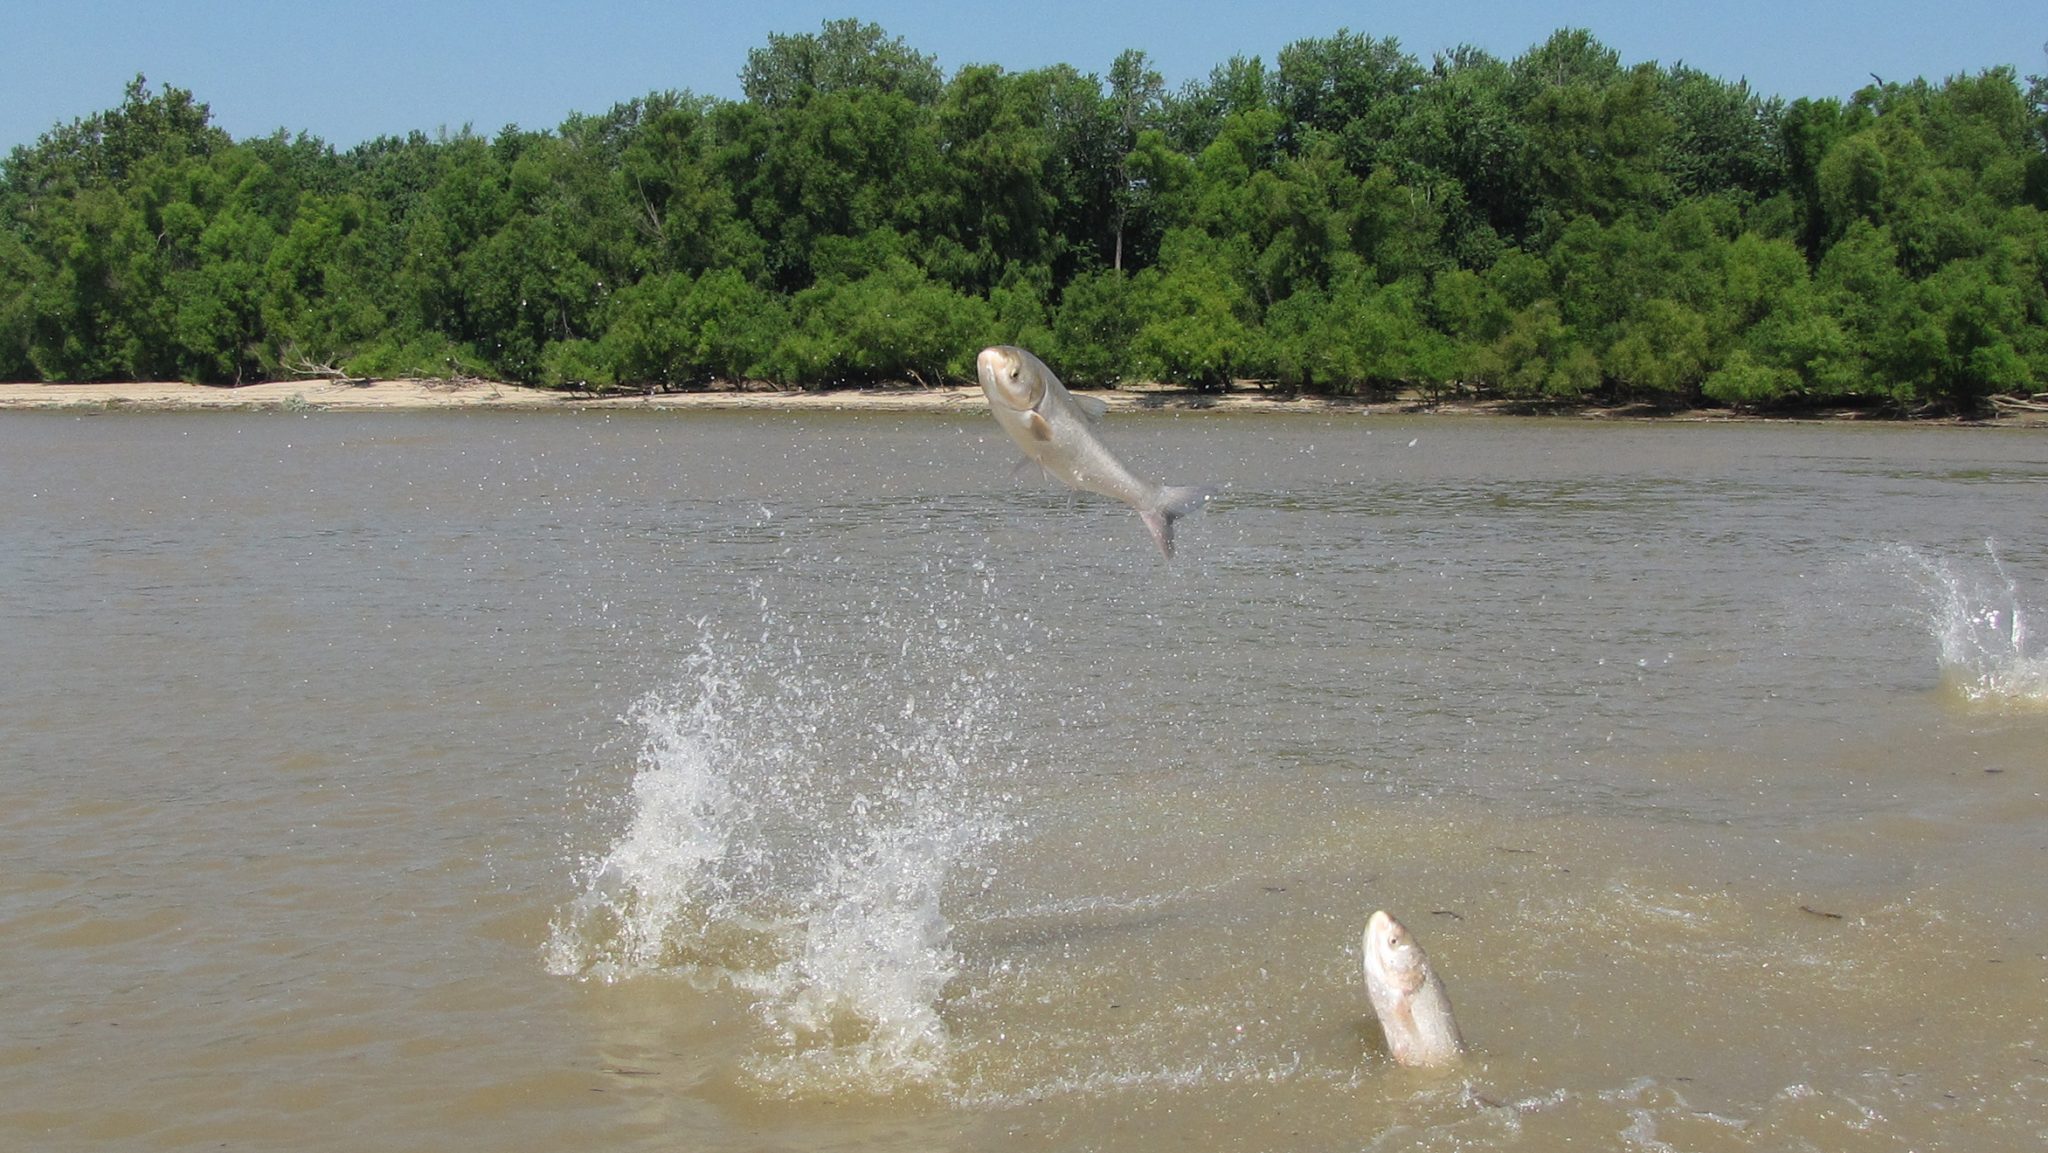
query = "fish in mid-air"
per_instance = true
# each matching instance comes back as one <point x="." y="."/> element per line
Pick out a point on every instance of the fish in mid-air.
<point x="1056" y="430"/>
<point x="1414" y="1010"/>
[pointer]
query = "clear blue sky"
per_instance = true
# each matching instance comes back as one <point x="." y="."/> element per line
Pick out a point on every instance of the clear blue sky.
<point x="350" y="72"/>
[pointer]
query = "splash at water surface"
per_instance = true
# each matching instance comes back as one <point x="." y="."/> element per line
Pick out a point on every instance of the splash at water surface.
<point x="1981" y="623"/>
<point x="794" y="823"/>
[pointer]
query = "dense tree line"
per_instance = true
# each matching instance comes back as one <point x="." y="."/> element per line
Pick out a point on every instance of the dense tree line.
<point x="1346" y="219"/>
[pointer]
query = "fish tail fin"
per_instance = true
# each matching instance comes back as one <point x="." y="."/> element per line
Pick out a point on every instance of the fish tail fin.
<point x="1173" y="503"/>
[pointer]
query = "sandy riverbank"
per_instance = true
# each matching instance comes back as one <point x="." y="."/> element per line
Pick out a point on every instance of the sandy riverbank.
<point x="432" y="394"/>
<point x="394" y="395"/>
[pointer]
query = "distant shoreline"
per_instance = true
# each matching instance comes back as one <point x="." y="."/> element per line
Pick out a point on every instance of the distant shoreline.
<point x="415" y="395"/>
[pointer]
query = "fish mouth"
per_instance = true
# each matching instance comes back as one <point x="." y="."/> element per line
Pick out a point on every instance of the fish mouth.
<point x="1003" y="377"/>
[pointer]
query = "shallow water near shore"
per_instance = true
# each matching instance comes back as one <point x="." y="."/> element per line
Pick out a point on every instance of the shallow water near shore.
<point x="755" y="781"/>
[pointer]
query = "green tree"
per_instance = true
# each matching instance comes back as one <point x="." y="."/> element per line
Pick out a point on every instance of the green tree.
<point x="217" y="235"/>
<point x="680" y="206"/>
<point x="1136" y="93"/>
<point x="1595" y="134"/>
<point x="1971" y="331"/>
<point x="1561" y="225"/>
<point x="1094" y="330"/>
<point x="107" y="149"/>
<point x="1191" y="117"/>
<point x="843" y="56"/>
<point x="990" y="208"/>
<point x="22" y="271"/>
<point x="1725" y="138"/>
<point x="843" y="163"/>
<point x="1362" y="336"/>
<point x="1462" y="134"/>
<point x="893" y="323"/>
<point x="671" y="330"/>
<point x="1661" y="353"/>
<point x="87" y="321"/>
<point x="1808" y="131"/>
<point x="109" y="208"/>
<point x="1536" y="357"/>
<point x="322" y="302"/>
<point x="1788" y="347"/>
<point x="1085" y="151"/>
<point x="1196" y="314"/>
<point x="1347" y="87"/>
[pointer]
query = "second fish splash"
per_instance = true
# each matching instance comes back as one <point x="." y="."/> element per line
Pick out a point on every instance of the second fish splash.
<point x="796" y="824"/>
<point x="1982" y="624"/>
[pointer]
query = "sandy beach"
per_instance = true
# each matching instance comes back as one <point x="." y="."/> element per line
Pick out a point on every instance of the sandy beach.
<point x="396" y="395"/>
<point x="437" y="394"/>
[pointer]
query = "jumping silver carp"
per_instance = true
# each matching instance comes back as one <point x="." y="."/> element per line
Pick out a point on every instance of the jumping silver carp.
<point x="1056" y="429"/>
<point x="1414" y="1010"/>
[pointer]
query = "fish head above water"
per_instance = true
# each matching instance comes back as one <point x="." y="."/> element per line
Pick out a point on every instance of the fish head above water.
<point x="1012" y="377"/>
<point x="1413" y="1010"/>
<point x="1391" y="955"/>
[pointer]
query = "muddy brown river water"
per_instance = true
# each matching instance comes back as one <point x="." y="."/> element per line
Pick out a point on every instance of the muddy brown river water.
<point x="510" y="781"/>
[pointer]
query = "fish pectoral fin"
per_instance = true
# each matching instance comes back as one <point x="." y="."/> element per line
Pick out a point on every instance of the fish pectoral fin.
<point x="1092" y="407"/>
<point x="1039" y="427"/>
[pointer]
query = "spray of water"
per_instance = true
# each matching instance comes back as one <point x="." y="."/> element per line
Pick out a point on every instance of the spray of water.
<point x="857" y="1006"/>
<point x="1979" y="620"/>
<point x="650" y="903"/>
<point x="799" y="814"/>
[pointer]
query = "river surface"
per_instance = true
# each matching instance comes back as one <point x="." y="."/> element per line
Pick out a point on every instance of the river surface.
<point x="756" y="782"/>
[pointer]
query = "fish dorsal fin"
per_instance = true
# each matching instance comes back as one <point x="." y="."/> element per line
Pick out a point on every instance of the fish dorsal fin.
<point x="1092" y="407"/>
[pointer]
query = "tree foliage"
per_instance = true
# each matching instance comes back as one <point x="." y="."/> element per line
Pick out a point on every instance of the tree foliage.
<point x="1561" y="225"/>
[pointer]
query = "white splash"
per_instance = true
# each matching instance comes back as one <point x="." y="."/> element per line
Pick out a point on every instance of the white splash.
<point x="858" y="1005"/>
<point x="793" y="823"/>
<point x="1982" y="626"/>
<point x="642" y="898"/>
